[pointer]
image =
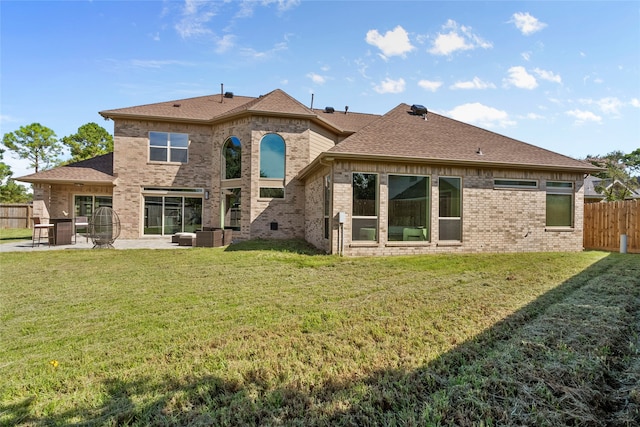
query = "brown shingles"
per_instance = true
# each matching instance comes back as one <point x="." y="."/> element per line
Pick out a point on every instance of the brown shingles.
<point x="213" y="108"/>
<point x="95" y="170"/>
<point x="402" y="134"/>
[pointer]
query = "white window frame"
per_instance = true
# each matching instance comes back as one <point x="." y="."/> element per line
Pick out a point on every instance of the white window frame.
<point x="168" y="148"/>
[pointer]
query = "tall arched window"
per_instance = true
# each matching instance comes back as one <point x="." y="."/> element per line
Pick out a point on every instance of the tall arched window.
<point x="272" y="156"/>
<point x="232" y="158"/>
<point x="272" y="161"/>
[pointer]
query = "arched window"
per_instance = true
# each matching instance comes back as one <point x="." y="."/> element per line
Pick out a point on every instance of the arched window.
<point x="232" y="158"/>
<point x="272" y="156"/>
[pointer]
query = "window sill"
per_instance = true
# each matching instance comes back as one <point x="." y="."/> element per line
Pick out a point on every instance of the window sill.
<point x="560" y="229"/>
<point x="156" y="162"/>
<point x="269" y="200"/>
<point x="364" y="244"/>
<point x="449" y="243"/>
<point x="401" y="243"/>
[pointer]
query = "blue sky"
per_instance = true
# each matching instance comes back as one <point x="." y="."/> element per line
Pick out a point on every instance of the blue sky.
<point x="560" y="75"/>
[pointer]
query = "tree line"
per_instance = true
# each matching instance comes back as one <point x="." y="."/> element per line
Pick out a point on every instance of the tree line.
<point x="42" y="148"/>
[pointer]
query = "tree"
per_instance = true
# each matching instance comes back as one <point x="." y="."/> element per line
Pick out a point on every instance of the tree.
<point x="91" y="140"/>
<point x="616" y="181"/>
<point x="36" y="143"/>
<point x="632" y="160"/>
<point x="10" y="191"/>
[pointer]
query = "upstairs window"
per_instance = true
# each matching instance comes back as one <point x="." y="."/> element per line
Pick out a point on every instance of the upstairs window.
<point x="272" y="164"/>
<point x="272" y="156"/>
<point x="232" y="158"/>
<point x="168" y="147"/>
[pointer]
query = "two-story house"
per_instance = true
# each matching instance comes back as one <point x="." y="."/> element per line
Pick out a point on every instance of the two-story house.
<point x="406" y="182"/>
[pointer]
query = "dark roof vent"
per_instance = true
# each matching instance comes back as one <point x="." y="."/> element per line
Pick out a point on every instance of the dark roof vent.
<point x="176" y="105"/>
<point x="419" y="110"/>
<point x="329" y="110"/>
<point x="228" y="94"/>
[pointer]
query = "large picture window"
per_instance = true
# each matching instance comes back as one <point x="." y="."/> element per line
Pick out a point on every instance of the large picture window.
<point x="168" y="147"/>
<point x="364" y="222"/>
<point x="408" y="208"/>
<point x="450" y="208"/>
<point x="559" y="204"/>
<point x="172" y="212"/>
<point x="232" y="158"/>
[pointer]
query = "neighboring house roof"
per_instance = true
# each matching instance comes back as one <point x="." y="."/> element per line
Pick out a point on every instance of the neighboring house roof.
<point x="591" y="182"/>
<point x="97" y="170"/>
<point x="215" y="108"/>
<point x="401" y="135"/>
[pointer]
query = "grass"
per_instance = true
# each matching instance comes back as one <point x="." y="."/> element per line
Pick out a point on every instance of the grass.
<point x="257" y="336"/>
<point x="14" y="234"/>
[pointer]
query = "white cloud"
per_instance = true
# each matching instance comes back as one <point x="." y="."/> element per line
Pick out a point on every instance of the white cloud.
<point x="317" y="78"/>
<point x="481" y="115"/>
<point x="526" y="56"/>
<point x="635" y="102"/>
<point x="151" y="63"/>
<point x="608" y="105"/>
<point x="283" y="5"/>
<point x="5" y="118"/>
<point x="582" y="116"/>
<point x="547" y="75"/>
<point x="534" y="116"/>
<point x="458" y="37"/>
<point x="526" y="23"/>
<point x="476" y="83"/>
<point x="519" y="77"/>
<point x="254" y="54"/>
<point x="390" y="86"/>
<point x="393" y="43"/>
<point x="429" y="85"/>
<point x="195" y="16"/>
<point x="225" y="43"/>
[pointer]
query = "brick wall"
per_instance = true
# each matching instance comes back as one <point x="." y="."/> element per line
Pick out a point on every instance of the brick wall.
<point x="134" y="171"/>
<point x="493" y="220"/>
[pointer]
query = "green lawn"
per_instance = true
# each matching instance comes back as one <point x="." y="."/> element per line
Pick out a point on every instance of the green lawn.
<point x="253" y="336"/>
<point x="14" y="234"/>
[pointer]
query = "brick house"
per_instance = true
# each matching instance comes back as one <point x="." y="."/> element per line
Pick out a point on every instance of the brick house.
<point x="407" y="182"/>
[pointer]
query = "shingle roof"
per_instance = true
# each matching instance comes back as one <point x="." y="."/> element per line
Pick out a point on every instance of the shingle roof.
<point x="202" y="108"/>
<point x="402" y="134"/>
<point x="97" y="170"/>
<point x="214" y="108"/>
<point x="348" y="122"/>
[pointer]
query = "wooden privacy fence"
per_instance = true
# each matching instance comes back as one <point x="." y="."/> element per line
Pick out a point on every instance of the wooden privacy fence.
<point x="604" y="223"/>
<point x="15" y="215"/>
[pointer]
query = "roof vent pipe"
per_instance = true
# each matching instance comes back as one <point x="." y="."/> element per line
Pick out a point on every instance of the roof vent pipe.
<point x="346" y="108"/>
<point x="311" y="101"/>
<point x="221" y="93"/>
